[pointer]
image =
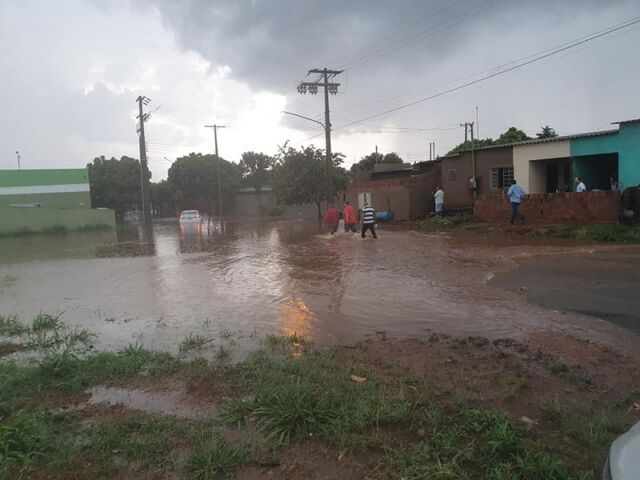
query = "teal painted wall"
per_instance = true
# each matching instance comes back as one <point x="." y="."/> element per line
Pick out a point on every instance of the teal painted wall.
<point x="17" y="220"/>
<point x="626" y="142"/>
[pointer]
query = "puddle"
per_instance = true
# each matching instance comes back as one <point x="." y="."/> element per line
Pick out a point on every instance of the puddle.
<point x="167" y="402"/>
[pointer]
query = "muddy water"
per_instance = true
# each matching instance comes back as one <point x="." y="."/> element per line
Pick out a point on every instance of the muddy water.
<point x="242" y="281"/>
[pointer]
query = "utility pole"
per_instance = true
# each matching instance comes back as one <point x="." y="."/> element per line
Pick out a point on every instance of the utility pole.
<point x="465" y="125"/>
<point x="473" y="163"/>
<point x="144" y="181"/>
<point x="329" y="88"/>
<point x="18" y="155"/>
<point x="215" y="144"/>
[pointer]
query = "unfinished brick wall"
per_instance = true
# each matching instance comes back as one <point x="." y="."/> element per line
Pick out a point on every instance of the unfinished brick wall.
<point x="551" y="208"/>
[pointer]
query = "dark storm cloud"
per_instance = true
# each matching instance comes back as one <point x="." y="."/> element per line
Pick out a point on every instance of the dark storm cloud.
<point x="272" y="43"/>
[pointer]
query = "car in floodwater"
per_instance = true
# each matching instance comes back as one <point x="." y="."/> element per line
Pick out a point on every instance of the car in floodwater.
<point x="623" y="460"/>
<point x="191" y="217"/>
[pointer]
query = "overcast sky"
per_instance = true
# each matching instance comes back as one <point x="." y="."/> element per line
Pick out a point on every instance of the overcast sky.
<point x="70" y="72"/>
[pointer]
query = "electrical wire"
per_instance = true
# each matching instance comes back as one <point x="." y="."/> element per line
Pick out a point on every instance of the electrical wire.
<point x="549" y="53"/>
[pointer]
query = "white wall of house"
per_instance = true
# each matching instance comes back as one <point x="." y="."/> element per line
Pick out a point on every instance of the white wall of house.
<point x="529" y="174"/>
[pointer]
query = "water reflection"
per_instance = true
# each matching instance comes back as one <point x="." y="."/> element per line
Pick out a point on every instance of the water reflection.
<point x="157" y="286"/>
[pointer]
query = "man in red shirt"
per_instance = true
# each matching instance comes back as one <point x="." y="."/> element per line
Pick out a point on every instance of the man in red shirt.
<point x="332" y="218"/>
<point x="349" y="214"/>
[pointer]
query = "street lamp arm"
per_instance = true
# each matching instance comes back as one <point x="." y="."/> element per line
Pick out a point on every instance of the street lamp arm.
<point x="306" y="118"/>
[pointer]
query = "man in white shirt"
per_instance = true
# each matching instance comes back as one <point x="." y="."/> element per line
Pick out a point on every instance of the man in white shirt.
<point x="581" y="186"/>
<point x="439" y="200"/>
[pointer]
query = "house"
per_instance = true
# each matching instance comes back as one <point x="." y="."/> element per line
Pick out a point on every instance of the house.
<point x="493" y="171"/>
<point x="42" y="200"/>
<point x="550" y="165"/>
<point x="403" y="188"/>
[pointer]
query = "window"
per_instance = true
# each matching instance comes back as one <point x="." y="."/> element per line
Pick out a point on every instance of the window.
<point x="501" y="177"/>
<point x="452" y="175"/>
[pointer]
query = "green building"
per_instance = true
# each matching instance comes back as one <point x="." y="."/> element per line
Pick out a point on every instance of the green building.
<point x="44" y="200"/>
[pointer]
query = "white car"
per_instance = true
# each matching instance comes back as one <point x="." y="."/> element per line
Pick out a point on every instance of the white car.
<point x="190" y="217"/>
<point x="623" y="461"/>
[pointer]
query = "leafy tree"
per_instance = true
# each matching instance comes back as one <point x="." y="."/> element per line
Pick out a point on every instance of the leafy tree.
<point x="255" y="168"/>
<point x="511" y="136"/>
<point x="546" y="132"/>
<point x="194" y="181"/>
<point x="115" y="184"/>
<point x="162" y="202"/>
<point x="466" y="146"/>
<point x="300" y="176"/>
<point x="367" y="163"/>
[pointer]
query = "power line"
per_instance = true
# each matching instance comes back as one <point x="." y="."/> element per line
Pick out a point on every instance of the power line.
<point x="426" y="33"/>
<point x="395" y="32"/>
<point x="459" y="79"/>
<point x="573" y="44"/>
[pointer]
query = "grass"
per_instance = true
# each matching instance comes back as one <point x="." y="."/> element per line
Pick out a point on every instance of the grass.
<point x="193" y="342"/>
<point x="393" y="418"/>
<point x="446" y="222"/>
<point x="600" y="233"/>
<point x="216" y="458"/>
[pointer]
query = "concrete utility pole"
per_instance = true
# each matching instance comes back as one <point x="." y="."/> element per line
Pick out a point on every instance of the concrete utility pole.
<point x="473" y="162"/>
<point x="215" y="144"/>
<point x="144" y="181"/>
<point x="329" y="88"/>
<point x="465" y="125"/>
<point x="18" y="155"/>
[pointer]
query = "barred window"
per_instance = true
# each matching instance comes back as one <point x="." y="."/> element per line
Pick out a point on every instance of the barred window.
<point x="501" y="177"/>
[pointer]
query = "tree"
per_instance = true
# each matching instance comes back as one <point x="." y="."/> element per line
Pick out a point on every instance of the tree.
<point x="546" y="132"/>
<point x="255" y="168"/>
<point x="162" y="201"/>
<point x="194" y="181"/>
<point x="367" y="163"/>
<point x="115" y="184"/>
<point x="466" y="146"/>
<point x="300" y="176"/>
<point x="512" y="135"/>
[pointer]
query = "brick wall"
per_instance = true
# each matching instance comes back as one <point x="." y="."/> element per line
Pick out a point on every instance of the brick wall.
<point x="550" y="208"/>
<point x="410" y="197"/>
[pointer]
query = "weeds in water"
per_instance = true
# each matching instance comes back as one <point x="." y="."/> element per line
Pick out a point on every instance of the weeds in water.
<point x="225" y="334"/>
<point x="223" y="354"/>
<point x="11" y="327"/>
<point x="216" y="458"/>
<point x="192" y="342"/>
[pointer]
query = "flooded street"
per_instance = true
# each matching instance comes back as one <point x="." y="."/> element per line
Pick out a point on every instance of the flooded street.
<point x="269" y="278"/>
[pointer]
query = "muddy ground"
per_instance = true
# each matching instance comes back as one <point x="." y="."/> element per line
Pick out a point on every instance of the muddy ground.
<point x="570" y="395"/>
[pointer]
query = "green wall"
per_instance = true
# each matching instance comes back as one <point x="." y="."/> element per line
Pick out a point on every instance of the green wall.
<point x="625" y="142"/>
<point x="50" y="200"/>
<point x="63" y="176"/>
<point x="17" y="220"/>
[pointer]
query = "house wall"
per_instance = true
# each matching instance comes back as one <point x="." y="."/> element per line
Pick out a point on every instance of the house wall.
<point x="626" y="142"/>
<point x="254" y="204"/>
<point x="629" y="155"/>
<point x="553" y="208"/>
<point x="408" y="197"/>
<point x="532" y="176"/>
<point x="62" y="188"/>
<point x="457" y="193"/>
<point x="19" y="220"/>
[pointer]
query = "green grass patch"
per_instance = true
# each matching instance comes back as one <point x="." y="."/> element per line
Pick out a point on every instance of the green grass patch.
<point x="216" y="458"/>
<point x="599" y="233"/>
<point x="192" y="342"/>
<point x="436" y="223"/>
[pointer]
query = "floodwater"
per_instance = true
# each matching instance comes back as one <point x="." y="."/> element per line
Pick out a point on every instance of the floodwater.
<point x="242" y="281"/>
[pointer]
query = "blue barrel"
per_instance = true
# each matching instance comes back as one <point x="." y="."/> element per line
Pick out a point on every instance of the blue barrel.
<point x="385" y="216"/>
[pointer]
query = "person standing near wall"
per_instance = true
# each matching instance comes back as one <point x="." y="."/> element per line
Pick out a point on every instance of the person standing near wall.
<point x="349" y="215"/>
<point x="332" y="219"/>
<point x="368" y="220"/>
<point x="614" y="184"/>
<point x="438" y="198"/>
<point x="515" y="194"/>
<point x="581" y="187"/>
